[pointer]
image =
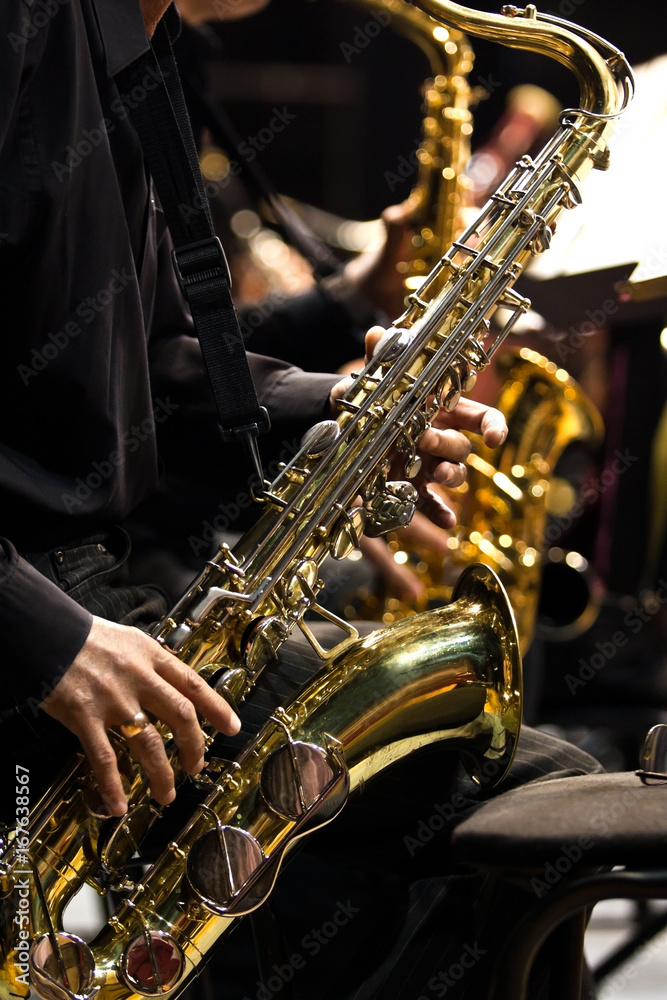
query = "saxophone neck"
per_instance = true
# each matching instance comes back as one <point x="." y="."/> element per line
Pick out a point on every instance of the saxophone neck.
<point x="604" y="77"/>
<point x="447" y="49"/>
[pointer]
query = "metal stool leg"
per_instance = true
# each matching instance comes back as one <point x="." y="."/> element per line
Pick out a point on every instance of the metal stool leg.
<point x="532" y="931"/>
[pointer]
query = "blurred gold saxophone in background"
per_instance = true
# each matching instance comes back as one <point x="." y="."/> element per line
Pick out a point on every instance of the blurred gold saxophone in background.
<point x="451" y="676"/>
<point x="504" y="505"/>
<point x="442" y="187"/>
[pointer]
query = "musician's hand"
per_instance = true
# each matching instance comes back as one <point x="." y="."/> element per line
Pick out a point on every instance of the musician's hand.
<point x="401" y="579"/>
<point x="421" y="535"/>
<point x="443" y="447"/>
<point x="374" y="273"/>
<point x="119" y="672"/>
<point x="196" y="11"/>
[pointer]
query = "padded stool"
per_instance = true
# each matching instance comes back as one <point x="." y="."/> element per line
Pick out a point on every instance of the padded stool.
<point x="554" y="837"/>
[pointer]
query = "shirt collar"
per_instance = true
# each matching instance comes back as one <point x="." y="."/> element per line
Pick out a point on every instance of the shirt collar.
<point x="123" y="32"/>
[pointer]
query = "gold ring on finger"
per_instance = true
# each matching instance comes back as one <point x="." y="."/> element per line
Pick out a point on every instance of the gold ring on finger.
<point x="135" y="725"/>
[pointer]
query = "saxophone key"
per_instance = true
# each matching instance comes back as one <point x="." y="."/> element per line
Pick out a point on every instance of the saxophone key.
<point x="152" y="963"/>
<point x="346" y="532"/>
<point x="176" y="638"/>
<point x="262" y="640"/>
<point x="571" y="195"/>
<point x="474" y="354"/>
<point x="62" y="966"/>
<point x="122" y="837"/>
<point x="301" y="779"/>
<point x="526" y="218"/>
<point x="542" y="239"/>
<point x="413" y="465"/>
<point x="302" y="583"/>
<point x="319" y="438"/>
<point x="449" y="392"/>
<point x="390" y="509"/>
<point x="469" y="380"/>
<point x="223" y="864"/>
<point x="463" y="369"/>
<point x="232" y="685"/>
<point x="391" y="344"/>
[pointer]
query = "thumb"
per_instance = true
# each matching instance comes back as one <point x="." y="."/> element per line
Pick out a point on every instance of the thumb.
<point x="373" y="337"/>
<point x="398" y="221"/>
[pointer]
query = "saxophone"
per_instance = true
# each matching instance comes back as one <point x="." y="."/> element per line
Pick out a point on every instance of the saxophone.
<point x="451" y="676"/>
<point x="442" y="186"/>
<point x="509" y="492"/>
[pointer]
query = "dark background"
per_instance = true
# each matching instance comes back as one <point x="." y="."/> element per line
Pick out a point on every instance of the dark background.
<point x="358" y="112"/>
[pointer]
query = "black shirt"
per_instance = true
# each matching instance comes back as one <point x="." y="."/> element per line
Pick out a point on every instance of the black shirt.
<point x="86" y="277"/>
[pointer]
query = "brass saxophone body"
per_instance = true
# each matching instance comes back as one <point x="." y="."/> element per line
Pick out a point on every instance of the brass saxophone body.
<point x="453" y="677"/>
<point x="370" y="704"/>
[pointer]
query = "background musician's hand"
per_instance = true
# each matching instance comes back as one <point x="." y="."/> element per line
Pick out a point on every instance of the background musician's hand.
<point x="118" y="673"/>
<point x="374" y="273"/>
<point x="196" y="11"/>
<point x="401" y="579"/>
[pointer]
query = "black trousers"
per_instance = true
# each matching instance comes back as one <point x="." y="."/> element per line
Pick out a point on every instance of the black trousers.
<point x="372" y="907"/>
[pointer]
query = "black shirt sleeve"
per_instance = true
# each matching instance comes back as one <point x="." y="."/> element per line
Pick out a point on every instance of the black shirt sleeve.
<point x="178" y="371"/>
<point x="43" y="629"/>
<point x="310" y="330"/>
<point x="21" y="48"/>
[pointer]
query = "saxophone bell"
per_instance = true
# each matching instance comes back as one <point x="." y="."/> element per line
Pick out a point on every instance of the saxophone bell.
<point x="570" y="596"/>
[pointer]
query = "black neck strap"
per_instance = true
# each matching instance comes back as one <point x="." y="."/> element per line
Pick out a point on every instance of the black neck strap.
<point x="163" y="126"/>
